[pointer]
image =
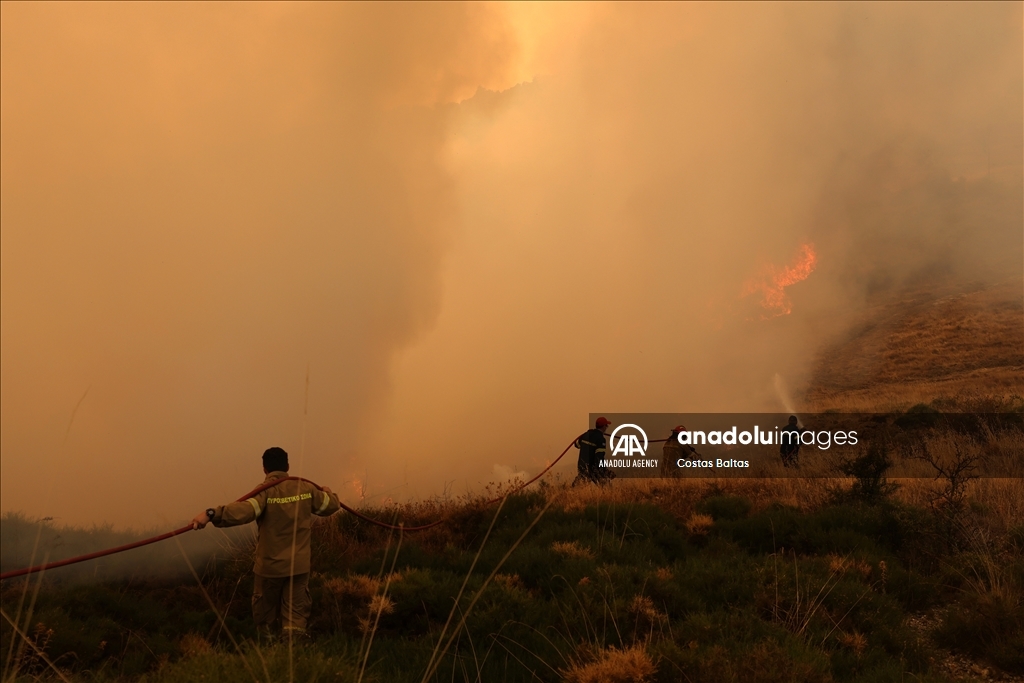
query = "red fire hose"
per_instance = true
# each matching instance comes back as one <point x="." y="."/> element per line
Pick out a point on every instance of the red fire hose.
<point x="258" y="489"/>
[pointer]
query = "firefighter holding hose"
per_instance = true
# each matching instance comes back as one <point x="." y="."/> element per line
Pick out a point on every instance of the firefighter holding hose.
<point x="283" y="514"/>
<point x="673" y="451"/>
<point x="789" y="443"/>
<point x="592" y="452"/>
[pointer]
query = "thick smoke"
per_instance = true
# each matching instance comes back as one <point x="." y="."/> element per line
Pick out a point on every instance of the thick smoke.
<point x="29" y="543"/>
<point x="200" y="203"/>
<point x="614" y="209"/>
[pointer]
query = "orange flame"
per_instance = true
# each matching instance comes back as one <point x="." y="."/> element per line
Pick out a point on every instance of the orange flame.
<point x="772" y="282"/>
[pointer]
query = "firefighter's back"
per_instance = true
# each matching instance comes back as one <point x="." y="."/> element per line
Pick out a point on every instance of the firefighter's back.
<point x="284" y="529"/>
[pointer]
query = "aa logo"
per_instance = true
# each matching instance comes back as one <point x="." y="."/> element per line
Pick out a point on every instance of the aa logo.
<point x="628" y="444"/>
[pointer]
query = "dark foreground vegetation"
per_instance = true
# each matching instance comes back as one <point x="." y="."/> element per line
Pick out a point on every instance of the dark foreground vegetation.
<point x="785" y="580"/>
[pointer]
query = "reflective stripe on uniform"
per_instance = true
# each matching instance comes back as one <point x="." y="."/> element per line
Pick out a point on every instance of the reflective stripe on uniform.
<point x="255" y="506"/>
<point x="327" y="501"/>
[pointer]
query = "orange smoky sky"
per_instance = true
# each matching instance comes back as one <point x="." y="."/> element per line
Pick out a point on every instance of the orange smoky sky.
<point x="469" y="225"/>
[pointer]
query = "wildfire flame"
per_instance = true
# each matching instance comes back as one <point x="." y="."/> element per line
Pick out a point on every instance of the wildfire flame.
<point x="771" y="282"/>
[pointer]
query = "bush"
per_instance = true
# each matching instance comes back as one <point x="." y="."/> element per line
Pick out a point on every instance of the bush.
<point x="592" y="592"/>
<point x="869" y="469"/>
<point x="986" y="625"/>
<point x="725" y="507"/>
<point x="628" y="665"/>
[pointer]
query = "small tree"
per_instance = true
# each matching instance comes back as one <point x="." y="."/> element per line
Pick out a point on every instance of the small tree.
<point x="869" y="470"/>
<point x="956" y="469"/>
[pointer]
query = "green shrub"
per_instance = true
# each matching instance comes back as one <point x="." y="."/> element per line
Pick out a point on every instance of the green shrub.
<point x="986" y="626"/>
<point x="323" y="664"/>
<point x="869" y="469"/>
<point x="782" y="594"/>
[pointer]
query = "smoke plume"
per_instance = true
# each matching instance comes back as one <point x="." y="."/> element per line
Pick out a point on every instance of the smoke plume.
<point x="468" y="226"/>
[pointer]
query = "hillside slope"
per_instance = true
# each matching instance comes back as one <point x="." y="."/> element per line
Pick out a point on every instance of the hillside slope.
<point x="956" y="347"/>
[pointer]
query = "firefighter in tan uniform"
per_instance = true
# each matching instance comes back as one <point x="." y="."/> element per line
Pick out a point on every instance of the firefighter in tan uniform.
<point x="283" y="514"/>
<point x="673" y="451"/>
<point x="670" y="453"/>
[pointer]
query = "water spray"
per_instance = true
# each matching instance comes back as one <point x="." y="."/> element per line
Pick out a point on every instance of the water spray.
<point x="784" y="398"/>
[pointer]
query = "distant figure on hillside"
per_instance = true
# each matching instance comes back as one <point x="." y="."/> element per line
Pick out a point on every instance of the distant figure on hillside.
<point x="789" y="443"/>
<point x="672" y="452"/>
<point x="592" y="452"/>
<point x="280" y="595"/>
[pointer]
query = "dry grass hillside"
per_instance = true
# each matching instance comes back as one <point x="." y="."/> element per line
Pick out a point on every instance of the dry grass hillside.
<point x="954" y="347"/>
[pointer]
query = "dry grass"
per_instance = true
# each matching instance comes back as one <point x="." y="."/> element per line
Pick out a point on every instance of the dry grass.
<point x="357" y="600"/>
<point x="509" y="582"/>
<point x="379" y="604"/>
<point x="1001" y="385"/>
<point x="355" y="588"/>
<point x="998" y="502"/>
<point x="193" y="645"/>
<point x="646" y="615"/>
<point x="680" y="496"/>
<point x="926" y="344"/>
<point x="854" y="641"/>
<point x="612" y="665"/>
<point x="841" y="565"/>
<point x="699" y="524"/>
<point x="572" y="549"/>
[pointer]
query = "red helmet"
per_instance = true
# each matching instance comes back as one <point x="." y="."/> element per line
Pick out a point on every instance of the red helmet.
<point x="602" y="422"/>
<point x="678" y="428"/>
